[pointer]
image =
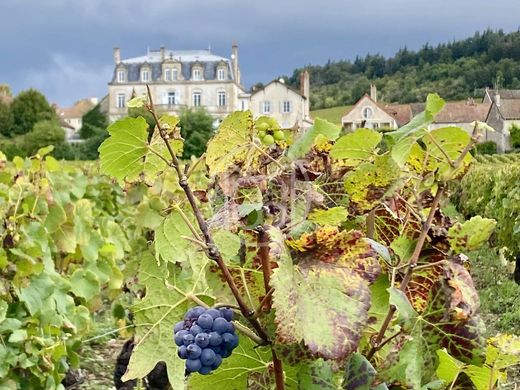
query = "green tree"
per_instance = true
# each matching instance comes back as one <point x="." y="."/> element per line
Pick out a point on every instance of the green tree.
<point x="28" y="108"/>
<point x="6" y="118"/>
<point x="93" y="123"/>
<point x="514" y="132"/>
<point x="196" y="129"/>
<point x="46" y="132"/>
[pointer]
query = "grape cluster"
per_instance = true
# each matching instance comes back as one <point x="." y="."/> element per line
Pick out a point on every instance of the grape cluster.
<point x="268" y="135"/>
<point x="204" y="338"/>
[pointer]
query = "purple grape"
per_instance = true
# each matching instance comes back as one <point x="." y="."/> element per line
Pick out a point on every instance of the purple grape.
<point x="193" y="351"/>
<point x="231" y="327"/>
<point x="178" y="326"/>
<point x="207" y="357"/>
<point x="226" y="353"/>
<point x="179" y="337"/>
<point x="193" y="365"/>
<point x="218" y="361"/>
<point x="198" y="310"/>
<point x="181" y="352"/>
<point x="195" y="329"/>
<point x="218" y="350"/>
<point x="205" y="321"/>
<point x="205" y="370"/>
<point x="220" y="325"/>
<point x="215" y="339"/>
<point x="228" y="339"/>
<point x="214" y="313"/>
<point x="188" y="339"/>
<point x="227" y="313"/>
<point x="202" y="340"/>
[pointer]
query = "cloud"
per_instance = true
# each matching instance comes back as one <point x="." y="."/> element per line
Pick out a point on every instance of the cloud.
<point x="67" y="80"/>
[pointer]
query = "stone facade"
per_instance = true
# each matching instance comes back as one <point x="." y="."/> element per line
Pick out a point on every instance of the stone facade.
<point x="199" y="78"/>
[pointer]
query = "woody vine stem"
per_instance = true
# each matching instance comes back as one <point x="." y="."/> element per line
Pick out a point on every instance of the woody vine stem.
<point x="213" y="252"/>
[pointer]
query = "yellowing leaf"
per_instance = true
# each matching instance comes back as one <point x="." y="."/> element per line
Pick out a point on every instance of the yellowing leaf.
<point x="356" y="147"/>
<point x="470" y="235"/>
<point x="332" y="216"/>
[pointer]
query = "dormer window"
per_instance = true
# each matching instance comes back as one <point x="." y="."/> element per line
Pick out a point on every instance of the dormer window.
<point x="168" y="74"/>
<point x="221" y="74"/>
<point x="145" y="75"/>
<point x="121" y="76"/>
<point x="175" y="74"/>
<point x="196" y="74"/>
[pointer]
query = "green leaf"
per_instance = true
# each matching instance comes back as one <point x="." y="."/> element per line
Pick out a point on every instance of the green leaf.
<point x="356" y="147"/>
<point x="449" y="368"/>
<point x="155" y="316"/>
<point x="85" y="284"/>
<point x="470" y="235"/>
<point x="55" y="218"/>
<point x="404" y="307"/>
<point x="228" y="243"/>
<point x="34" y="295"/>
<point x="483" y="376"/>
<point x="403" y="247"/>
<point x="121" y="155"/>
<point x="137" y="102"/>
<point x="323" y="304"/>
<point x="403" y="148"/>
<point x="359" y="373"/>
<point x="304" y="143"/>
<point x="232" y="144"/>
<point x="315" y="375"/>
<point x="245" y="361"/>
<point x="369" y="182"/>
<point x="169" y="243"/>
<point x="333" y="216"/>
<point x="42" y="152"/>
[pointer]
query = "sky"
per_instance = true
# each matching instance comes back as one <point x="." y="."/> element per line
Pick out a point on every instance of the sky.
<point x="64" y="47"/>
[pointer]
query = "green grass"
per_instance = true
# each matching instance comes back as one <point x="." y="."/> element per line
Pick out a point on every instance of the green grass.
<point x="332" y="114"/>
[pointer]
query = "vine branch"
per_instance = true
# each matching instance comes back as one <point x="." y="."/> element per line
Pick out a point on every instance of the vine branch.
<point x="212" y="252"/>
<point x="411" y="267"/>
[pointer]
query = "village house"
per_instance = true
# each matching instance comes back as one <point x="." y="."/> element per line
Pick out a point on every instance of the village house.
<point x="71" y="118"/>
<point x="189" y="79"/>
<point x="370" y="113"/>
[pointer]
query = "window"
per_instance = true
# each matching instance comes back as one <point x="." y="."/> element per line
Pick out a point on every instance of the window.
<point x="175" y="74"/>
<point x="367" y="112"/>
<point x="145" y="76"/>
<point x="121" y="76"/>
<point x="168" y="74"/>
<point x="266" y="107"/>
<point x="121" y="100"/>
<point x="221" y="74"/>
<point x="286" y="108"/>
<point x="196" y="74"/>
<point x="243" y="105"/>
<point x="196" y="99"/>
<point x="171" y="98"/>
<point x="221" y="99"/>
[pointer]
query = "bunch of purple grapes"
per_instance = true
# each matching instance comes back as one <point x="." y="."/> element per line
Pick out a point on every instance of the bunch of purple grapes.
<point x="205" y="337"/>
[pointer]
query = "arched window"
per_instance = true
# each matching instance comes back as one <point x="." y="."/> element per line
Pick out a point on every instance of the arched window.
<point x="367" y="113"/>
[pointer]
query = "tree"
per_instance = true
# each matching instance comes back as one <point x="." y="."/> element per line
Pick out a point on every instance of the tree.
<point x="28" y="108"/>
<point x="515" y="136"/>
<point x="46" y="132"/>
<point x="6" y="118"/>
<point x="196" y="129"/>
<point x="93" y="122"/>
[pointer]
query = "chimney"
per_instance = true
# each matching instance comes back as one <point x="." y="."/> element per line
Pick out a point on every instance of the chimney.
<point x="117" y="55"/>
<point x="304" y="84"/>
<point x="373" y="92"/>
<point x="162" y="53"/>
<point x="234" y="62"/>
<point x="497" y="99"/>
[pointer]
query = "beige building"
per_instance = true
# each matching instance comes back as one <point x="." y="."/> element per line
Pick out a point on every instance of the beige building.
<point x="287" y="105"/>
<point x="198" y="78"/>
<point x="71" y="118"/>
<point x="503" y="114"/>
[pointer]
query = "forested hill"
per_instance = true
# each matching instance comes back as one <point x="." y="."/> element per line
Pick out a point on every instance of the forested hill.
<point x="455" y="70"/>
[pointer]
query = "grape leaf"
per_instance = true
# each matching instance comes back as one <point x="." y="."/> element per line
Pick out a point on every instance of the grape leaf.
<point x="245" y="361"/>
<point x="231" y="144"/>
<point x="155" y="316"/>
<point x="310" y="297"/>
<point x="359" y="373"/>
<point x="470" y="235"/>
<point x="304" y="143"/>
<point x="369" y="182"/>
<point x="169" y="244"/>
<point x="449" y="368"/>
<point x="315" y="375"/>
<point x="84" y="283"/>
<point x="356" y="147"/>
<point x="121" y="155"/>
<point x="333" y="216"/>
<point x="55" y="218"/>
<point x="404" y="307"/>
<point x="228" y="243"/>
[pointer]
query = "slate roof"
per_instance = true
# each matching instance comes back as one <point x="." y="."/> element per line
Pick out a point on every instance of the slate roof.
<point x="187" y="58"/>
<point x="463" y="112"/>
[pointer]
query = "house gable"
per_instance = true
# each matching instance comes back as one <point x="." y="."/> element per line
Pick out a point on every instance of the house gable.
<point x="367" y="111"/>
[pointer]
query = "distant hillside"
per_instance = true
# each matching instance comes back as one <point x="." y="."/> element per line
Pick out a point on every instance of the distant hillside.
<point x="333" y="114"/>
<point x="455" y="70"/>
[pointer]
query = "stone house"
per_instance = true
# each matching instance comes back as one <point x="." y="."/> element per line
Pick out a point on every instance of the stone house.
<point x="503" y="114"/>
<point x="71" y="118"/>
<point x="188" y="79"/>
